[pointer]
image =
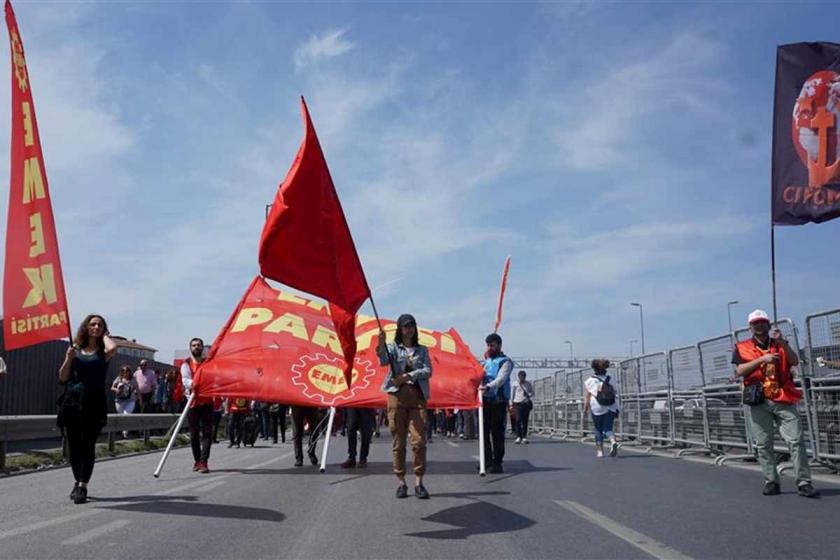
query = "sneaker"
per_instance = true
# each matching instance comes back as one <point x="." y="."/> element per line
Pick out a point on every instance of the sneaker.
<point x="350" y="463"/>
<point x="196" y="466"/>
<point x="203" y="468"/>
<point x="402" y="491"/>
<point x="74" y="491"/>
<point x="230" y="445"/>
<point x="313" y="458"/>
<point x="421" y="492"/>
<point x="362" y="463"/>
<point x="614" y="449"/>
<point x="771" y="489"/>
<point x="807" y="491"/>
<point x="496" y="469"/>
<point x="81" y="495"/>
<point x="599" y="453"/>
<point x="525" y="441"/>
<point x="298" y="462"/>
<point x="518" y="441"/>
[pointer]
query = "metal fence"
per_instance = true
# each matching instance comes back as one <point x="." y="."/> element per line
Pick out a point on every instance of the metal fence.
<point x="688" y="397"/>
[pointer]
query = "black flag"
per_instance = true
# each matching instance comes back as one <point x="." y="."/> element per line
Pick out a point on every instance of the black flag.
<point x="806" y="134"/>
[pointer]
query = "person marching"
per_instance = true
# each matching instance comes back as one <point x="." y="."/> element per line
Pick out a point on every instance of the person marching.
<point x="407" y="385"/>
<point x="83" y="374"/>
<point x="764" y="363"/>
<point x="602" y="399"/>
<point x="522" y="404"/>
<point x="125" y="393"/>
<point x="496" y="389"/>
<point x="317" y="425"/>
<point x="361" y="420"/>
<point x="239" y="409"/>
<point x="200" y="415"/>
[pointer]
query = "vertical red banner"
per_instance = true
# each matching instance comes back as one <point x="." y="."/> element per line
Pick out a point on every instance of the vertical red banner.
<point x="34" y="302"/>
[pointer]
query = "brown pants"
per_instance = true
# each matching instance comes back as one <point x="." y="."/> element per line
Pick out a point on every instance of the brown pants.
<point x="407" y="418"/>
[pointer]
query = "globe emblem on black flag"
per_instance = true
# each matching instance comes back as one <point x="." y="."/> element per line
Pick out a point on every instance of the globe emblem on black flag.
<point x="816" y="134"/>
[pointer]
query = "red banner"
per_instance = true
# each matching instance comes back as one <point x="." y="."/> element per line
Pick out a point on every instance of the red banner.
<point x="279" y="347"/>
<point x="34" y="302"/>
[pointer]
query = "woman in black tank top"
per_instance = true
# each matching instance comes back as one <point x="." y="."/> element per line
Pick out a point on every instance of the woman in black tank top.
<point x="86" y="363"/>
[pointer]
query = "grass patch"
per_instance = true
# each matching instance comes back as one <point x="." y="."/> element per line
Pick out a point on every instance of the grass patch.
<point x="35" y="460"/>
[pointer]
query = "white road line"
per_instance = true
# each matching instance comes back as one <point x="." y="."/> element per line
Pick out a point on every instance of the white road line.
<point x="640" y="541"/>
<point x="97" y="532"/>
<point x="452" y="444"/>
<point x="189" y="486"/>
<point x="211" y="486"/>
<point x="47" y="523"/>
<point x="271" y="461"/>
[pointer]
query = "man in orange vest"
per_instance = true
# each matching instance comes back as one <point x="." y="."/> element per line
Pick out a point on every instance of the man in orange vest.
<point x="200" y="414"/>
<point x="764" y="365"/>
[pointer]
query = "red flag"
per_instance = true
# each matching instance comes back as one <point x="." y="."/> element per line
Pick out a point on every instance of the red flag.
<point x="34" y="302"/>
<point x="306" y="242"/>
<point x="502" y="289"/>
<point x="279" y="347"/>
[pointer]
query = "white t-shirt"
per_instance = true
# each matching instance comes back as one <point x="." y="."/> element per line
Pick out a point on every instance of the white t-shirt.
<point x="593" y="385"/>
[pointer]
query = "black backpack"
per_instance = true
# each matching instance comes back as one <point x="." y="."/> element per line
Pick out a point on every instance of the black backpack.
<point x="606" y="394"/>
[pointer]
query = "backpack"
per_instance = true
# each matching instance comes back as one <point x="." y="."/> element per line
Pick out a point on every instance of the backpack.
<point x="69" y="403"/>
<point x="606" y="394"/>
<point x="124" y="392"/>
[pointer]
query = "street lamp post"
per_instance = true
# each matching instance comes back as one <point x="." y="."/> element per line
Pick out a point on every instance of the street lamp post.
<point x="571" y="351"/>
<point x="642" y="324"/>
<point x="729" y="312"/>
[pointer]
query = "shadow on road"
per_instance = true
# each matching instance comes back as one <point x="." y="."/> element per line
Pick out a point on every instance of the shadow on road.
<point x="169" y="505"/>
<point x="477" y="518"/>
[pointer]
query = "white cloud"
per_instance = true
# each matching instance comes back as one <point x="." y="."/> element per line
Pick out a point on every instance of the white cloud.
<point x="601" y="118"/>
<point x="328" y="45"/>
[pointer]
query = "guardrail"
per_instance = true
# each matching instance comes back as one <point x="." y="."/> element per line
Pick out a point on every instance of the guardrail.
<point x="24" y="428"/>
<point x="688" y="397"/>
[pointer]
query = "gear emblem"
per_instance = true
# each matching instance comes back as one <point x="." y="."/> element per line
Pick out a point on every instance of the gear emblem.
<point x="321" y="378"/>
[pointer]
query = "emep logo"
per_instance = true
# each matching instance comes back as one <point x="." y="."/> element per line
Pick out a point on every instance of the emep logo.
<point x="816" y="116"/>
<point x="321" y="378"/>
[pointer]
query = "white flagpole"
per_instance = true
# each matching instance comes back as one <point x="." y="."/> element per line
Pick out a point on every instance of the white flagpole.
<point x="482" y="471"/>
<point x="323" y="467"/>
<point x="174" y="435"/>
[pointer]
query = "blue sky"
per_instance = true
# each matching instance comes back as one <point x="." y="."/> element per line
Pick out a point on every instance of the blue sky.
<point x="618" y="152"/>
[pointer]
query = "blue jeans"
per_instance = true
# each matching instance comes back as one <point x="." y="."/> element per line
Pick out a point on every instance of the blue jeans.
<point x="603" y="426"/>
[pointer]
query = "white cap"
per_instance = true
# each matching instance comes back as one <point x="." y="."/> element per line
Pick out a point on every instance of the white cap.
<point x="758" y="315"/>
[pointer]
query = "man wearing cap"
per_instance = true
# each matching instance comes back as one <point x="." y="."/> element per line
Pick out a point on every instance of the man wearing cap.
<point x="764" y="364"/>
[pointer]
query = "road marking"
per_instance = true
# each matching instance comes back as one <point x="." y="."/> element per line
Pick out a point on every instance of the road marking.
<point x="48" y="523"/>
<point x="640" y="541"/>
<point x="452" y="444"/>
<point x="271" y="461"/>
<point x="211" y="486"/>
<point x="189" y="486"/>
<point x="97" y="532"/>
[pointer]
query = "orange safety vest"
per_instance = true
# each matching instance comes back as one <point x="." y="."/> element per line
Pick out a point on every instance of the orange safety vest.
<point x="197" y="401"/>
<point x="778" y="384"/>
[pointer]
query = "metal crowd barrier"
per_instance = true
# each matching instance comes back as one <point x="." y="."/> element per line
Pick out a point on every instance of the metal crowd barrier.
<point x="823" y="331"/>
<point x="689" y="397"/>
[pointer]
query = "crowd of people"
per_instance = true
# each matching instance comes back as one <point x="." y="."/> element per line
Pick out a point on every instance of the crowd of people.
<point x="763" y="363"/>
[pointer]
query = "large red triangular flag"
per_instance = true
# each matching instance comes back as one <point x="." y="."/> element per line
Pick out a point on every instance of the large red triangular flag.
<point x="306" y="243"/>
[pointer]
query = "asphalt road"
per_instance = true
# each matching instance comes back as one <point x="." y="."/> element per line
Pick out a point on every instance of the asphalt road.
<point x="555" y="500"/>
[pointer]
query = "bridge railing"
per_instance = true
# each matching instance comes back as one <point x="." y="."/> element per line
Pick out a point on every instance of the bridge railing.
<point x="689" y="398"/>
<point x="34" y="427"/>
